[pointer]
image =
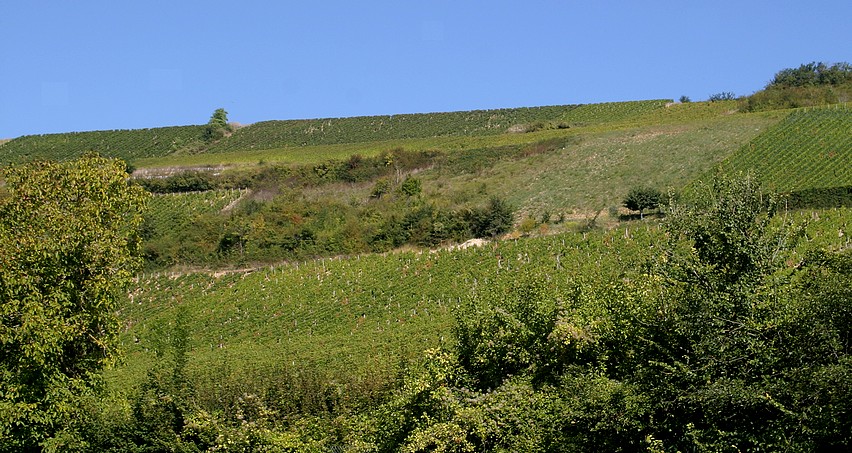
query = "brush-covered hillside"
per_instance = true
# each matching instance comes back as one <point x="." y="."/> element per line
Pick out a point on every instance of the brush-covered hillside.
<point x="463" y="281"/>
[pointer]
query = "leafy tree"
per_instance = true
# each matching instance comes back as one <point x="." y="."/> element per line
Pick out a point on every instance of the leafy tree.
<point x="68" y="246"/>
<point x="642" y="198"/>
<point x="218" y="126"/>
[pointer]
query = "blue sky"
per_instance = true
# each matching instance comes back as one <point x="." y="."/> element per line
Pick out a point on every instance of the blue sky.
<point x="92" y="65"/>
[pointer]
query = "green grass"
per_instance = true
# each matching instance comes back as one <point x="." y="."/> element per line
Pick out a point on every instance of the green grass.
<point x="810" y="148"/>
<point x="594" y="171"/>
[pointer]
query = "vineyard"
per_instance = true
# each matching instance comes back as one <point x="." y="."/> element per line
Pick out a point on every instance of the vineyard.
<point x="170" y="212"/>
<point x="332" y="136"/>
<point x="358" y="313"/>
<point x="363" y="314"/>
<point x="328" y="131"/>
<point x="811" y="148"/>
<point x="125" y="144"/>
<point x="611" y="112"/>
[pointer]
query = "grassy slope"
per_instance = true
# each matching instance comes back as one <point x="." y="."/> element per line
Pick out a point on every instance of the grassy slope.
<point x="596" y="171"/>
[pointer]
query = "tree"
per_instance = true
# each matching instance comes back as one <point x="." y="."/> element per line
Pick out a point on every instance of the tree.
<point x="218" y="126"/>
<point x="642" y="198"/>
<point x="68" y="246"/>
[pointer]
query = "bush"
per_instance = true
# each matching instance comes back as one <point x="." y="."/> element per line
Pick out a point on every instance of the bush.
<point x="411" y="187"/>
<point x="493" y="220"/>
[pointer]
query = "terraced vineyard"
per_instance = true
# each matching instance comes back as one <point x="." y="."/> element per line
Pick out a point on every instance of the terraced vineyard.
<point x="327" y="131"/>
<point x="811" y="148"/>
<point x="125" y="144"/>
<point x="171" y="211"/>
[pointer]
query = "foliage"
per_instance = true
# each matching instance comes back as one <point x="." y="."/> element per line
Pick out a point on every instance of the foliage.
<point x="642" y="198"/>
<point x="821" y="198"/>
<point x="809" y="85"/>
<point x="68" y="248"/>
<point x="217" y="127"/>
<point x="812" y="74"/>
<point x="722" y="96"/>
<point x="411" y="187"/>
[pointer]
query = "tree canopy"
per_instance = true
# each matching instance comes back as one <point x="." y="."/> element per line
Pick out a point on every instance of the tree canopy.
<point x="68" y="247"/>
<point x="642" y="198"/>
<point x="812" y="74"/>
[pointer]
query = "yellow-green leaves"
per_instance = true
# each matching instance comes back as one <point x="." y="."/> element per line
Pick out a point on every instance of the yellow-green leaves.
<point x="68" y="246"/>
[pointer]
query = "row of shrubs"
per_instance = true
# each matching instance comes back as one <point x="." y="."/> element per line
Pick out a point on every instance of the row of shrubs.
<point x="291" y="227"/>
<point x="357" y="168"/>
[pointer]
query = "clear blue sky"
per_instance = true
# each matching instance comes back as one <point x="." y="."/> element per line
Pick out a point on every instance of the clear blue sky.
<point x="91" y="65"/>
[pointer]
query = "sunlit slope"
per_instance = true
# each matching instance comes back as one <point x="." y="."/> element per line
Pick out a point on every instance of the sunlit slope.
<point x="810" y="148"/>
<point x="136" y="144"/>
<point x="125" y="144"/>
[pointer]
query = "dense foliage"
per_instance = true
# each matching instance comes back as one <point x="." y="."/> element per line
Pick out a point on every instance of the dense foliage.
<point x="812" y="74"/>
<point x="68" y="249"/>
<point x="812" y="84"/>
<point x="642" y="198"/>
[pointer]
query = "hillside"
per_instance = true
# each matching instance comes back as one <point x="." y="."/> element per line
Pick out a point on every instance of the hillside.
<point x="305" y="289"/>
<point x="132" y="145"/>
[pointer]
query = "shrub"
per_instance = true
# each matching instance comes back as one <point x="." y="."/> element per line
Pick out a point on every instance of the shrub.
<point x="411" y="187"/>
